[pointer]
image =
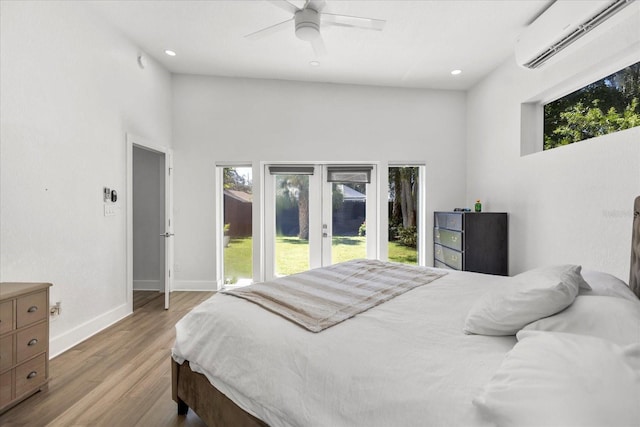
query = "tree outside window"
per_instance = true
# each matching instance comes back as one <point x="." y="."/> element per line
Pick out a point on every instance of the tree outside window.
<point x="606" y="106"/>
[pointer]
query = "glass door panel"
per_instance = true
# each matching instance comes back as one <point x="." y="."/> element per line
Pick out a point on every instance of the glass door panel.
<point x="349" y="201"/>
<point x="314" y="218"/>
<point x="292" y="224"/>
<point x="348" y="222"/>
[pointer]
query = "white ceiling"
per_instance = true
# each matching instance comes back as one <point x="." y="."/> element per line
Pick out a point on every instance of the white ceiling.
<point x="421" y="43"/>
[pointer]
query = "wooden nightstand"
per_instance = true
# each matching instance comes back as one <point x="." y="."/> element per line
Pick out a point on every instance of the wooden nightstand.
<point x="24" y="341"/>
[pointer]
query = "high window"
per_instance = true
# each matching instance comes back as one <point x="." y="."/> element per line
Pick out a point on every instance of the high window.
<point x="605" y="106"/>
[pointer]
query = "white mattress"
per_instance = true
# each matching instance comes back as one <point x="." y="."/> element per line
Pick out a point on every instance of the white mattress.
<point x="403" y="363"/>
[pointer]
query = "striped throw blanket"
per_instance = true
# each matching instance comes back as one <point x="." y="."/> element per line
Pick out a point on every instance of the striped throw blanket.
<point x="320" y="298"/>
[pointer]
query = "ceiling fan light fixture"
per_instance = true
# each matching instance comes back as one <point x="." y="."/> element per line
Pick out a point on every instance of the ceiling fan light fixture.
<point x="307" y="24"/>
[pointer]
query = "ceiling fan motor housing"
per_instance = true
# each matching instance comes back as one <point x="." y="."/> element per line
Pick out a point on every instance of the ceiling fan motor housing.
<point x="307" y="24"/>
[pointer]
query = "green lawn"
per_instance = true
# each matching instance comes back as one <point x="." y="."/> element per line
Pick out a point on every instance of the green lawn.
<point x="292" y="255"/>
<point x="238" y="260"/>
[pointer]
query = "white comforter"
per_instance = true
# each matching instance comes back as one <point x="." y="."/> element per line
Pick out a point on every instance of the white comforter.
<point x="403" y="363"/>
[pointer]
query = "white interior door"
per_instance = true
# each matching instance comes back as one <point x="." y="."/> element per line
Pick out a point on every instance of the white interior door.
<point x="162" y="233"/>
<point x="168" y="213"/>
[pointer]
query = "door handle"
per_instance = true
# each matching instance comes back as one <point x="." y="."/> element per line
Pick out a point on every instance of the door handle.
<point x="167" y="234"/>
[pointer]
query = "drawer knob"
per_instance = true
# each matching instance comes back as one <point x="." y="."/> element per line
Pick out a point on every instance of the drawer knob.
<point x="32" y="309"/>
<point x="32" y="342"/>
<point x="454" y="238"/>
<point x="32" y="374"/>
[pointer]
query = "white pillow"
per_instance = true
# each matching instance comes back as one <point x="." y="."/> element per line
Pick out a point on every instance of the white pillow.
<point x="614" y="319"/>
<point x="535" y="294"/>
<point x="558" y="379"/>
<point x="566" y="272"/>
<point x="606" y="284"/>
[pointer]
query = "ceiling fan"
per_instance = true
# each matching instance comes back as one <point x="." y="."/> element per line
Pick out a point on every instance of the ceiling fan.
<point x="310" y="17"/>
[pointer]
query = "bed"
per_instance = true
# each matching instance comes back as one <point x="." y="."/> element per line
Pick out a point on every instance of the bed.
<point x="460" y="349"/>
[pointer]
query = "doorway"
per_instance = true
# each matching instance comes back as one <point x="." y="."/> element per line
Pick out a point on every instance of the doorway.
<point x="149" y="230"/>
<point x="316" y="215"/>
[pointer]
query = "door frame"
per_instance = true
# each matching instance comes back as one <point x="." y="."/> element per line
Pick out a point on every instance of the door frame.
<point x="371" y="214"/>
<point x="131" y="141"/>
<point x="317" y="181"/>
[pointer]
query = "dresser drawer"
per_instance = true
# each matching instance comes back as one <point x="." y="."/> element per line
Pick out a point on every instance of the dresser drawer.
<point x="6" y="386"/>
<point x="452" y="221"/>
<point x="6" y="352"/>
<point x="448" y="238"/>
<point x="31" y="341"/>
<point x="448" y="256"/>
<point x="31" y="308"/>
<point x="6" y="317"/>
<point x="438" y="253"/>
<point x="24" y="343"/>
<point x="30" y="375"/>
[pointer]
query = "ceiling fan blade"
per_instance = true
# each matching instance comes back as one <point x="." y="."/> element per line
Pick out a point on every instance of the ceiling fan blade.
<point x="316" y="5"/>
<point x="318" y="46"/>
<point x="269" y="30"/>
<point x="353" y="21"/>
<point x="284" y="4"/>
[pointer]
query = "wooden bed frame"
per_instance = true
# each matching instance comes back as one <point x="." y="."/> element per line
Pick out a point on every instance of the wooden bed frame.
<point x="193" y="390"/>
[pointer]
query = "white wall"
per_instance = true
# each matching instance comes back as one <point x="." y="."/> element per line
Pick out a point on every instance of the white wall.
<point x="225" y="119"/>
<point x="148" y="220"/>
<point x="71" y="88"/>
<point x="572" y="204"/>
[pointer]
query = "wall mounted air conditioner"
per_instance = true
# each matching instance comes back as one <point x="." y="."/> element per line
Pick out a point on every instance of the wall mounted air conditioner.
<point x="564" y="22"/>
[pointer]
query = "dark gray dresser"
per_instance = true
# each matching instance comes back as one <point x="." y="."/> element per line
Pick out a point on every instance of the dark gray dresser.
<point x="470" y="241"/>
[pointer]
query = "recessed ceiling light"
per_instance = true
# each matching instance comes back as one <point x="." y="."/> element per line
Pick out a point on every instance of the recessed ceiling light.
<point x="456" y="72"/>
<point x="170" y="52"/>
<point x="314" y="63"/>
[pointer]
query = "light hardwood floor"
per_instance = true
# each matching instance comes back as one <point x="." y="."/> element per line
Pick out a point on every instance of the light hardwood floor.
<point x="141" y="298"/>
<point x="119" y="377"/>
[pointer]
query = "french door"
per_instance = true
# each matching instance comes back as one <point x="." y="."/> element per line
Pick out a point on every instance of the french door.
<point x="317" y="215"/>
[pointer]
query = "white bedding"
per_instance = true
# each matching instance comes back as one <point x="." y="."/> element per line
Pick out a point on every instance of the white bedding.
<point x="406" y="362"/>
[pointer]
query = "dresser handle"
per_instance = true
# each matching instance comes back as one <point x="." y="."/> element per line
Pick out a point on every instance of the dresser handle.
<point x="32" y="374"/>
<point x="32" y="342"/>
<point x="32" y="309"/>
<point x="454" y="238"/>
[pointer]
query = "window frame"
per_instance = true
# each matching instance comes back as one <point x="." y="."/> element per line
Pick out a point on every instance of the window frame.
<point x="219" y="219"/>
<point x="421" y="214"/>
<point x="532" y="109"/>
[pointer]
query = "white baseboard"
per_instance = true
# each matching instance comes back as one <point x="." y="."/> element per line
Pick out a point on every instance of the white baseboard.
<point x="148" y="285"/>
<point x="194" y="285"/>
<point x="63" y="342"/>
